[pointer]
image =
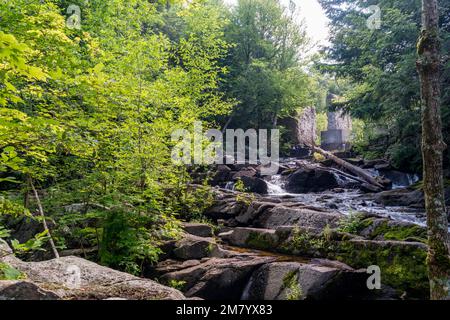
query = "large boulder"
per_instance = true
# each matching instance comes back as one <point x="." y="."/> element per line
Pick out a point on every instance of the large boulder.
<point x="217" y="278"/>
<point x="192" y="247"/>
<point x="198" y="229"/>
<point x="171" y="265"/>
<point x="400" y="197"/>
<point x="317" y="179"/>
<point x="221" y="176"/>
<point x="296" y="216"/>
<point x="77" y="278"/>
<point x="307" y="180"/>
<point x="254" y="210"/>
<point x="249" y="172"/>
<point x="225" y="205"/>
<point x="406" y="197"/>
<point x="255" y="185"/>
<point x="251" y="238"/>
<point x="296" y="281"/>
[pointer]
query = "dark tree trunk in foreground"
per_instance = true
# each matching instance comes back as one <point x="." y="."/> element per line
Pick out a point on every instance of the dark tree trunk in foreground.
<point x="428" y="65"/>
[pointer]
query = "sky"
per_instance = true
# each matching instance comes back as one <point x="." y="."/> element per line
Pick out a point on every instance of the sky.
<point x="314" y="17"/>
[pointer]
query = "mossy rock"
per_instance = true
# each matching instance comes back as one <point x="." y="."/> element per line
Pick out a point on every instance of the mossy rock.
<point x="261" y="241"/>
<point x="384" y="229"/>
<point x="402" y="264"/>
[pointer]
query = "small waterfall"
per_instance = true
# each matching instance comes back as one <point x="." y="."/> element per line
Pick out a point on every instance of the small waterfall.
<point x="399" y="179"/>
<point x="246" y="293"/>
<point x="275" y="185"/>
<point x="413" y="178"/>
<point x="229" y="185"/>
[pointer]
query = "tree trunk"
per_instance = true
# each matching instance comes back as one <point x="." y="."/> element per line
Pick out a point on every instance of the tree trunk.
<point x="428" y="66"/>
<point x="44" y="222"/>
<point x="225" y="127"/>
<point x="353" y="169"/>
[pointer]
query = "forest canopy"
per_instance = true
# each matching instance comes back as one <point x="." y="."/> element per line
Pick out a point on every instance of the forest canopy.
<point x="91" y="91"/>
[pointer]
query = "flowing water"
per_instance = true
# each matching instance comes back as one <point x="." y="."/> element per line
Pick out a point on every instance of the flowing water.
<point x="347" y="202"/>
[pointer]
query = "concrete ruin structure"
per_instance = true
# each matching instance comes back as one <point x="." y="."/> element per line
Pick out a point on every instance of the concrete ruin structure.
<point x="302" y="129"/>
<point x="337" y="137"/>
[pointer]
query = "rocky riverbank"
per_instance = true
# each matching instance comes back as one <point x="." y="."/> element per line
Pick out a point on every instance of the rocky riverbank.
<point x="310" y="232"/>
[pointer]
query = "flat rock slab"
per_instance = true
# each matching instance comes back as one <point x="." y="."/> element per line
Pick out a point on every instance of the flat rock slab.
<point x="198" y="229"/>
<point x="302" y="217"/>
<point x="77" y="278"/>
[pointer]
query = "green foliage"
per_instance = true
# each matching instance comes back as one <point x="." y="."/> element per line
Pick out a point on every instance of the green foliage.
<point x="8" y="272"/>
<point x="33" y="244"/>
<point x="4" y="233"/>
<point x="265" y="75"/>
<point x="13" y="209"/>
<point x="290" y="283"/>
<point x="239" y="186"/>
<point x="327" y="232"/>
<point x="88" y="115"/>
<point x="177" y="284"/>
<point x="304" y="242"/>
<point x="378" y="69"/>
<point x="352" y="223"/>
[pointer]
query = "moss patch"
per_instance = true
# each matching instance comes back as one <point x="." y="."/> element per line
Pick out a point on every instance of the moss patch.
<point x="400" y="232"/>
<point x="403" y="267"/>
<point x="262" y="241"/>
<point x="293" y="289"/>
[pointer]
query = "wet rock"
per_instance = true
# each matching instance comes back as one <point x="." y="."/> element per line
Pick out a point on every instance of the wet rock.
<point x="254" y="210"/>
<point x="307" y="180"/>
<point x="369" y="188"/>
<point x="246" y="172"/>
<point x="400" y="197"/>
<point x="398" y="178"/>
<point x="222" y="175"/>
<point x="198" y="229"/>
<point x="383" y="166"/>
<point x="218" y="279"/>
<point x="255" y="185"/>
<point x="372" y="163"/>
<point x="332" y="205"/>
<point x="406" y="197"/>
<point x="295" y="281"/>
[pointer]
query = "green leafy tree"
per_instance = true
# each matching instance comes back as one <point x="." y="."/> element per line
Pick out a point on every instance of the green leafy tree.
<point x="266" y="77"/>
<point x="380" y="65"/>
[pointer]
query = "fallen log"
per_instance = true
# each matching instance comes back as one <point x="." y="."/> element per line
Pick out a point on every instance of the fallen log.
<point x="350" y="167"/>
